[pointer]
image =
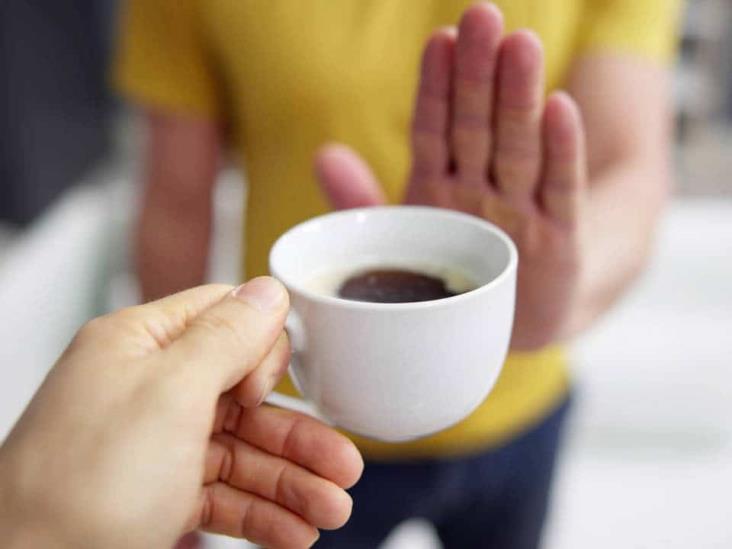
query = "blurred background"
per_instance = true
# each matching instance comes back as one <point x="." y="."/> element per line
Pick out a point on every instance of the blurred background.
<point x="649" y="456"/>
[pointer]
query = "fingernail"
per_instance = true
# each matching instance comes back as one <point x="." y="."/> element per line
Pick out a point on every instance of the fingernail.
<point x="267" y="388"/>
<point x="263" y="293"/>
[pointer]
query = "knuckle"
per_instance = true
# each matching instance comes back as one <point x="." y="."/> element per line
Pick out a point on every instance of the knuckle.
<point x="562" y="153"/>
<point x="470" y="147"/>
<point x="475" y="90"/>
<point x="252" y="525"/>
<point x="219" y="325"/>
<point x="504" y="216"/>
<point x="228" y="464"/>
<point x="292" y="438"/>
<point x="470" y="122"/>
<point x="564" y="180"/>
<point x="429" y="148"/>
<point x="123" y="319"/>
<point x="428" y="130"/>
<point x="93" y="328"/>
<point x="431" y="107"/>
<point x="469" y="138"/>
<point x="561" y="186"/>
<point x="519" y="140"/>
<point x="520" y="112"/>
<point x="217" y="287"/>
<point x="100" y="328"/>
<point x="281" y="491"/>
<point x="516" y="175"/>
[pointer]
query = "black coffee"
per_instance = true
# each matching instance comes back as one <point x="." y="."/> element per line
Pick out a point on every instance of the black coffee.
<point x="394" y="286"/>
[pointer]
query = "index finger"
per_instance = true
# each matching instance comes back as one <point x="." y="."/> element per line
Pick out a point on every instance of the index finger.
<point x="232" y="337"/>
<point x="295" y="437"/>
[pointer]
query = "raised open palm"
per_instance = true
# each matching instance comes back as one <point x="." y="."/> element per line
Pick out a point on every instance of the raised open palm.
<point x="486" y="142"/>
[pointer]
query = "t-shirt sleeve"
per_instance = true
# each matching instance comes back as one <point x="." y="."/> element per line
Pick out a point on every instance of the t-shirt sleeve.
<point x="161" y="59"/>
<point x="646" y="28"/>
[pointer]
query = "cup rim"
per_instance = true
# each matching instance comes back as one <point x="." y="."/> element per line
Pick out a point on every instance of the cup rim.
<point x="331" y="300"/>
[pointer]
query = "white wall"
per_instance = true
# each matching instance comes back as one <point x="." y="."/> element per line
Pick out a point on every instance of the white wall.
<point x="51" y="281"/>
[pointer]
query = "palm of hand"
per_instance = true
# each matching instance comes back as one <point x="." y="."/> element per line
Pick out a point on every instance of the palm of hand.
<point x="485" y="142"/>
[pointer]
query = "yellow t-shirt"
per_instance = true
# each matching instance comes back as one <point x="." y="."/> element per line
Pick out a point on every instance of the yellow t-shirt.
<point x="289" y="76"/>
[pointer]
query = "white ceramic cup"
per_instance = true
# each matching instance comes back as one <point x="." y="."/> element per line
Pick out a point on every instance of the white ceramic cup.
<point x="396" y="371"/>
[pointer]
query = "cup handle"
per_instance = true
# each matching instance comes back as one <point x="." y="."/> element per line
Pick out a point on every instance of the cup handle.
<point x="296" y="404"/>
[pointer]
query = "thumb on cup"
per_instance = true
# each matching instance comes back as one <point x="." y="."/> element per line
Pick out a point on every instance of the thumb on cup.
<point x="346" y="179"/>
<point x="233" y="336"/>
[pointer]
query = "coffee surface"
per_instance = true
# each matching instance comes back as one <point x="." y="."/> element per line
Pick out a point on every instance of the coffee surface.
<point x="394" y="286"/>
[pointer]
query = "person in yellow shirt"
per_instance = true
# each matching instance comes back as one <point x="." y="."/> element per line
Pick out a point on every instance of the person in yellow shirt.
<point x="577" y="178"/>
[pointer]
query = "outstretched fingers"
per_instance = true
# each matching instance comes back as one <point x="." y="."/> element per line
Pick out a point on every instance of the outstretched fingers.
<point x="476" y="53"/>
<point x="519" y="106"/>
<point x="564" y="176"/>
<point x="430" y="123"/>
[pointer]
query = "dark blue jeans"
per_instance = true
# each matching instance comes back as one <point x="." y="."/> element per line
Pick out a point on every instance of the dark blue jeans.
<point x="494" y="500"/>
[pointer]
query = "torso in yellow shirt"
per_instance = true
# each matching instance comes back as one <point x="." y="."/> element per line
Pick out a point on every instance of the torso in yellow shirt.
<point x="289" y="76"/>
